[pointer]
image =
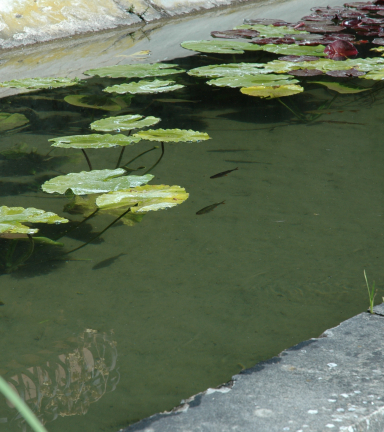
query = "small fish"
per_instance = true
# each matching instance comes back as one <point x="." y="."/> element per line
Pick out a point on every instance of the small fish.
<point x="107" y="262"/>
<point x="209" y="208"/>
<point x="224" y="173"/>
<point x="227" y="151"/>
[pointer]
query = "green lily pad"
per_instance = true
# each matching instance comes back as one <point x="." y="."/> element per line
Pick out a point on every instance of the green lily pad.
<point x="252" y="80"/>
<point x="221" y="46"/>
<point x="270" y="30"/>
<point x="272" y="92"/>
<point x="12" y="219"/>
<point x="292" y="49"/>
<point x="232" y="69"/>
<point x="376" y="75"/>
<point x="135" y="70"/>
<point x="87" y="101"/>
<point x="144" y="87"/>
<point x="148" y="198"/>
<point x="172" y="135"/>
<point x="95" y="181"/>
<point x="340" y="88"/>
<point x="94" y="141"/>
<point x="40" y="83"/>
<point x="10" y="121"/>
<point x="121" y="123"/>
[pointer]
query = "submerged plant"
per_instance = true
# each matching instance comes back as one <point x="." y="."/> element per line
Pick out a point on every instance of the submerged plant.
<point x="372" y="291"/>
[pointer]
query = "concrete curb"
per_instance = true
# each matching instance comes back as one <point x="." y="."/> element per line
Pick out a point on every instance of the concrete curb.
<point x="334" y="382"/>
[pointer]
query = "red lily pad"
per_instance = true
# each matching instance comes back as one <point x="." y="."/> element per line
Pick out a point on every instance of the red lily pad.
<point x="349" y="14"/>
<point x="344" y="36"/>
<point x="355" y="4"/>
<point x="351" y="22"/>
<point x="371" y="7"/>
<point x="325" y="28"/>
<point x="265" y="21"/>
<point x="345" y="73"/>
<point x="312" y="18"/>
<point x="305" y="72"/>
<point x="340" y="50"/>
<point x="235" y="34"/>
<point x="295" y="58"/>
<point x="380" y="13"/>
<point x="373" y="21"/>
<point x="273" y="40"/>
<point x="378" y="41"/>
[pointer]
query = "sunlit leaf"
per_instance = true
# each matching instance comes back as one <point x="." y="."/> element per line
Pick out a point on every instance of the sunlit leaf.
<point x="144" y="87"/>
<point x="87" y="101"/>
<point x="135" y="70"/>
<point x="270" y="30"/>
<point x="149" y="198"/>
<point x="96" y="181"/>
<point x="374" y="75"/>
<point x="293" y="49"/>
<point x="40" y="83"/>
<point x="10" y="121"/>
<point x="272" y="92"/>
<point x="12" y="219"/>
<point x="220" y="46"/>
<point x="232" y="69"/>
<point x="172" y="135"/>
<point x="94" y="141"/>
<point x="121" y="123"/>
<point x="251" y="81"/>
<point x="340" y="88"/>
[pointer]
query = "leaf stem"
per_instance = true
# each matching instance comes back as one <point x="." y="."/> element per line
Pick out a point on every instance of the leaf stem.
<point x="296" y="114"/>
<point x="87" y="159"/>
<point x="141" y="154"/>
<point x="121" y="153"/>
<point x="77" y="226"/>
<point x="161" y="156"/>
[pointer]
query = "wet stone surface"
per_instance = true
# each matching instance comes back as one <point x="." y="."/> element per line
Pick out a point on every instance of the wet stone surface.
<point x="333" y="382"/>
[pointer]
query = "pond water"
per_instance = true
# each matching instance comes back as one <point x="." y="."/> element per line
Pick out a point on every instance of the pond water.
<point x="150" y="314"/>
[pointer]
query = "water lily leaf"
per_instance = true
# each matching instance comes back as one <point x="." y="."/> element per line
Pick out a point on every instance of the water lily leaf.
<point x="377" y="75"/>
<point x="296" y="58"/>
<point x="378" y="49"/>
<point x="251" y="81"/>
<point x="272" y="92"/>
<point x="87" y="101"/>
<point x="317" y="50"/>
<point x="45" y="240"/>
<point x="220" y="46"/>
<point x="149" y="198"/>
<point x="235" y="34"/>
<point x="40" y="83"/>
<point x="232" y="69"/>
<point x="121" y="123"/>
<point x="94" y="141"/>
<point x="144" y="87"/>
<point x="135" y="70"/>
<point x="172" y="135"/>
<point x="95" y="181"/>
<point x="346" y="73"/>
<point x="305" y="72"/>
<point x="270" y="30"/>
<point x="10" y="121"/>
<point x="341" y="88"/>
<point x="12" y="219"/>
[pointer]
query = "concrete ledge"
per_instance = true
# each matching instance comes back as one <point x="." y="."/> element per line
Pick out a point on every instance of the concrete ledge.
<point x="334" y="382"/>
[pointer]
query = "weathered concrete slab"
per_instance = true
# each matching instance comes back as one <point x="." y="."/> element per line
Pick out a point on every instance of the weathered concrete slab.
<point x="334" y="382"/>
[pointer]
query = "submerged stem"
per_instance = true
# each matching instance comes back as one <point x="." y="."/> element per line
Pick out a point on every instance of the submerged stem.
<point x="77" y="226"/>
<point x="296" y="114"/>
<point x="137" y="157"/>
<point x="23" y="258"/>
<point x="121" y="153"/>
<point x="87" y="159"/>
<point x="161" y="156"/>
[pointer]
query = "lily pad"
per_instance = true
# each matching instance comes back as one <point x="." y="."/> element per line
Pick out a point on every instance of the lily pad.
<point x="377" y="75"/>
<point x="235" y="34"/>
<point x="305" y="72"/>
<point x="96" y="181"/>
<point x="231" y="69"/>
<point x="172" y="135"/>
<point x="271" y="30"/>
<point x="251" y="81"/>
<point x="12" y="219"/>
<point x="296" y="58"/>
<point x="10" y="121"/>
<point x="40" y="83"/>
<point x="135" y="70"/>
<point x="87" y="101"/>
<point x="148" y="198"/>
<point x="345" y="73"/>
<point x="121" y="123"/>
<point x="94" y="141"/>
<point x="220" y="46"/>
<point x="272" y="92"/>
<point x="340" y="88"/>
<point x="317" y="50"/>
<point x="144" y="87"/>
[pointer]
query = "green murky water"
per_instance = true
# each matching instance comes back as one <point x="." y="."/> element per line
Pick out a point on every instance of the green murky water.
<point x="189" y="300"/>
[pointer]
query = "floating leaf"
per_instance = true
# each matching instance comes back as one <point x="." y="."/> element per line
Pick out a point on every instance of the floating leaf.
<point x="317" y="50"/>
<point x="271" y="30"/>
<point x="251" y="81"/>
<point x="345" y="73"/>
<point x="94" y="141"/>
<point x="232" y="69"/>
<point x="96" y="181"/>
<point x="341" y="88"/>
<point x="12" y="219"/>
<point x="220" y="46"/>
<point x="144" y="87"/>
<point x="374" y="75"/>
<point x="235" y="34"/>
<point x="306" y="72"/>
<point x="87" y="101"/>
<point x="40" y="83"/>
<point x="121" y="123"/>
<point x="340" y="50"/>
<point x="149" y="198"/>
<point x="298" y="58"/>
<point x="172" y="135"/>
<point x="10" y="121"/>
<point x="272" y="92"/>
<point x="135" y="70"/>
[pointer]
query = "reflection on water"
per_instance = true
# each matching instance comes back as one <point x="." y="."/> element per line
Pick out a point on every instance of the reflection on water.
<point x="67" y="385"/>
<point x="192" y="298"/>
